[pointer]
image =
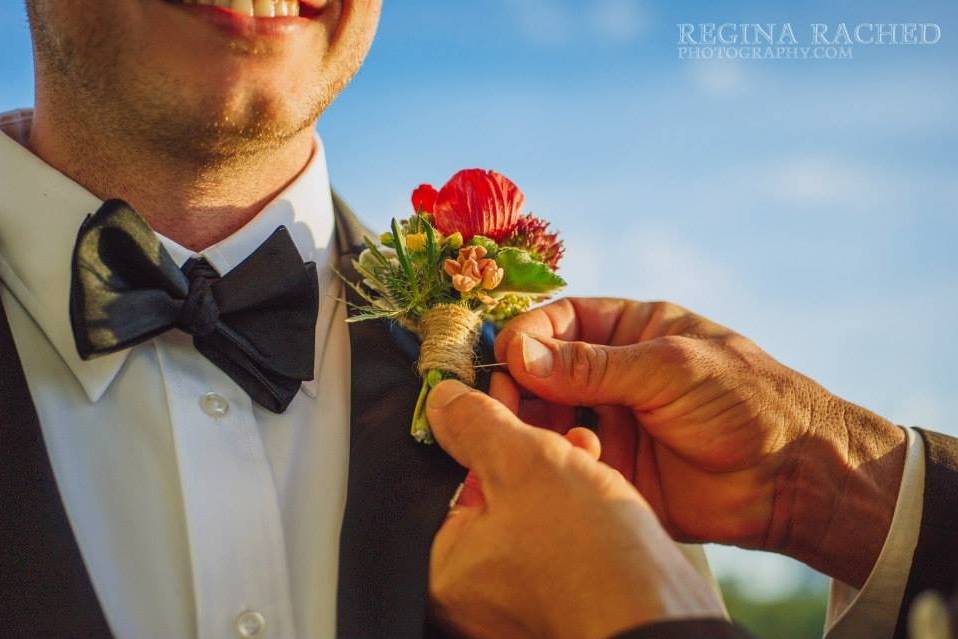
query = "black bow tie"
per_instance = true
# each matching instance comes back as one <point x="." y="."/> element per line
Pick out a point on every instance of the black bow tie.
<point x="256" y="323"/>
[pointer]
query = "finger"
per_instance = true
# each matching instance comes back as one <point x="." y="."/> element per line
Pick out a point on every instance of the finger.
<point x="591" y="319"/>
<point x="619" y="435"/>
<point x="549" y="415"/>
<point x="583" y="374"/>
<point x="586" y="440"/>
<point x="647" y="476"/>
<point x="479" y="432"/>
<point x="502" y="388"/>
<point x="613" y="322"/>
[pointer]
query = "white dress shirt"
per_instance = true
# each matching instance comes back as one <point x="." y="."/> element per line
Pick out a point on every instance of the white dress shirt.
<point x="198" y="513"/>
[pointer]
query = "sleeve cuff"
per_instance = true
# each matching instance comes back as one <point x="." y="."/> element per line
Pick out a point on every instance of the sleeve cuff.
<point x="873" y="610"/>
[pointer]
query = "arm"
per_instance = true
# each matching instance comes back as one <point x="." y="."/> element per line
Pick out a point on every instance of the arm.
<point x="873" y="610"/>
<point x="918" y="554"/>
<point x="727" y="444"/>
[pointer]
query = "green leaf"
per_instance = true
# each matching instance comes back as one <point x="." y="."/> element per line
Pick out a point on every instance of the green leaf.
<point x="525" y="274"/>
<point x="375" y="251"/>
<point x="432" y="248"/>
<point x="401" y="252"/>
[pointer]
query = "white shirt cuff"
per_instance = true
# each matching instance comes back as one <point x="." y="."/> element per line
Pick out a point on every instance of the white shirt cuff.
<point x="873" y="610"/>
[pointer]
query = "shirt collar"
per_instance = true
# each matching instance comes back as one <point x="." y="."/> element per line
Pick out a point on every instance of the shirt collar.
<point x="42" y="210"/>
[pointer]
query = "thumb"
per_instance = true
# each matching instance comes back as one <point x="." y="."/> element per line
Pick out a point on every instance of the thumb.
<point x="580" y="373"/>
<point x="478" y="431"/>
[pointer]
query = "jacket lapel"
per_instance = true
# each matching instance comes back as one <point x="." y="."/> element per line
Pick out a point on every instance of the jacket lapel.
<point x="45" y="590"/>
<point x="398" y="490"/>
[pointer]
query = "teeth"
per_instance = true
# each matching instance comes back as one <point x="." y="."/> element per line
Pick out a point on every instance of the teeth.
<point x="256" y="8"/>
<point x="264" y="9"/>
<point x="242" y="6"/>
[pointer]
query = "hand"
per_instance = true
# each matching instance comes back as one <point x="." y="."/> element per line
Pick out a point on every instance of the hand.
<point x="562" y="547"/>
<point x="727" y="444"/>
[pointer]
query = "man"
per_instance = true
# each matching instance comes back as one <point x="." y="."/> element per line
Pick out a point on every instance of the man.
<point x="169" y="483"/>
<point x="726" y="444"/>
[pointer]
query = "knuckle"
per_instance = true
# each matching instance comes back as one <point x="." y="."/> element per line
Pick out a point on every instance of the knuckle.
<point x="587" y="364"/>
<point x="668" y="311"/>
<point x="739" y="344"/>
<point x="678" y="320"/>
<point x="686" y="360"/>
<point x="677" y="350"/>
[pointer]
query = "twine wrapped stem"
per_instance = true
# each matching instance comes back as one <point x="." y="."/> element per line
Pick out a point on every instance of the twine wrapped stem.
<point x="449" y="336"/>
<point x="450" y="333"/>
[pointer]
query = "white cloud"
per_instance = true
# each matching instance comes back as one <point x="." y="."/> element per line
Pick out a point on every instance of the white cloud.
<point x="648" y="262"/>
<point x="823" y="180"/>
<point x="815" y="185"/>
<point x="618" y="21"/>
<point x="718" y="77"/>
<point x="556" y="23"/>
<point x="544" y="22"/>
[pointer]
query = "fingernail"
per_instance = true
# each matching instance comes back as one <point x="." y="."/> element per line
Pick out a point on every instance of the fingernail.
<point x="536" y="357"/>
<point x="443" y="394"/>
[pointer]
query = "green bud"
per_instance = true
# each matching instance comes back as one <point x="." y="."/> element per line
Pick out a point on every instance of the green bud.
<point x="386" y="239"/>
<point x="454" y="241"/>
<point x="489" y="244"/>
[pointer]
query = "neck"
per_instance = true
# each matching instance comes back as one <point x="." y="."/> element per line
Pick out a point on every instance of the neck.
<point x="195" y="202"/>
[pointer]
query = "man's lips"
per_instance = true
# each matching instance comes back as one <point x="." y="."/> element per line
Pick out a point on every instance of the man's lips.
<point x="263" y="8"/>
<point x="256" y="17"/>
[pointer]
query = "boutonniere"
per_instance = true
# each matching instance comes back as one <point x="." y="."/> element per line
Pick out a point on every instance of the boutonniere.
<point x="467" y="254"/>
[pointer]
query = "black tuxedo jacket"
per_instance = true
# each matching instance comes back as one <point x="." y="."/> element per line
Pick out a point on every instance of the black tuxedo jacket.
<point x="398" y="494"/>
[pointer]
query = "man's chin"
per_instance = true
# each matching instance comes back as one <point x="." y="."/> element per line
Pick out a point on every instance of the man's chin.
<point x="229" y="137"/>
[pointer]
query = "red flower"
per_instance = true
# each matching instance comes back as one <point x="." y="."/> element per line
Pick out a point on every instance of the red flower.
<point x="532" y="234"/>
<point x="424" y="198"/>
<point x="477" y="202"/>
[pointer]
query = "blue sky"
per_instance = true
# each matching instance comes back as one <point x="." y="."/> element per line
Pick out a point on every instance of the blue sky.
<point x="807" y="204"/>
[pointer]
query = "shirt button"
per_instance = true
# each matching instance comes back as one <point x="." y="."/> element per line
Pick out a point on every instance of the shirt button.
<point x="214" y="405"/>
<point x="250" y="624"/>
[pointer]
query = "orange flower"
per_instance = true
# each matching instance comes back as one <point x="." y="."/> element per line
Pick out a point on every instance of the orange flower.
<point x="472" y="268"/>
<point x="464" y="283"/>
<point x="492" y="275"/>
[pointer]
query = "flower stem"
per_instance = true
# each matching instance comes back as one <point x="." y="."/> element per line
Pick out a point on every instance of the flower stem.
<point x="421" y="431"/>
